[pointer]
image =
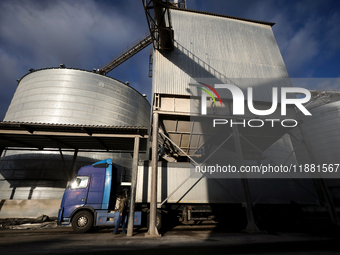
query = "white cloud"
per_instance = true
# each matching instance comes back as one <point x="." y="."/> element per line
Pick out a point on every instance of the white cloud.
<point x="68" y="31"/>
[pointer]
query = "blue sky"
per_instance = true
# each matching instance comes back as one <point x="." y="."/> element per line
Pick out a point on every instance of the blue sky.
<point x="87" y="34"/>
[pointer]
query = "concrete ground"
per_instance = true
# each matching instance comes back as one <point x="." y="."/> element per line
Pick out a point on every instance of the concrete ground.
<point x="202" y="239"/>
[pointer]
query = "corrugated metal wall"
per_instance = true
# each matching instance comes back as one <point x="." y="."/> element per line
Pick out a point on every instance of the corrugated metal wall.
<point x="225" y="49"/>
<point x="224" y="190"/>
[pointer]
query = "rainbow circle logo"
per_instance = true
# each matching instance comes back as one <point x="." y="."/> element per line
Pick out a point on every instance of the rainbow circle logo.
<point x="209" y="93"/>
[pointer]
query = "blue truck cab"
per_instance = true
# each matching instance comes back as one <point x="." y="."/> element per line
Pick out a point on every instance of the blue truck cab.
<point x="90" y="198"/>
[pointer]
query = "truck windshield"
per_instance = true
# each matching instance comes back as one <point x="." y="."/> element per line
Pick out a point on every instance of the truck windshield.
<point x="79" y="182"/>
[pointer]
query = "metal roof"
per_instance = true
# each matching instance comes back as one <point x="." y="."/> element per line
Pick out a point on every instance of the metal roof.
<point x="63" y="136"/>
<point x="77" y="69"/>
<point x="322" y="97"/>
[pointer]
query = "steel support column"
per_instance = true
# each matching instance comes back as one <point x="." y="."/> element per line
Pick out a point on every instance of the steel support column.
<point x="251" y="227"/>
<point x="67" y="175"/>
<point x="329" y="204"/>
<point x="153" y="232"/>
<point x="74" y="160"/>
<point x="133" y="187"/>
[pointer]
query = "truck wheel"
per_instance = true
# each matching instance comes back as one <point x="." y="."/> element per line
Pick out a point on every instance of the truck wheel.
<point x="158" y="220"/>
<point x="82" y="221"/>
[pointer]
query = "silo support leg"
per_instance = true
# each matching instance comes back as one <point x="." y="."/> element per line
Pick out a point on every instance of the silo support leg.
<point x="329" y="204"/>
<point x="153" y="232"/>
<point x="251" y="227"/>
<point x="133" y="187"/>
<point x="67" y="175"/>
<point x="73" y="168"/>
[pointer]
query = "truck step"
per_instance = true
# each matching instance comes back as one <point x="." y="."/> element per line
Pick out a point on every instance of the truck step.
<point x="200" y="211"/>
<point x="201" y="218"/>
<point x="203" y="214"/>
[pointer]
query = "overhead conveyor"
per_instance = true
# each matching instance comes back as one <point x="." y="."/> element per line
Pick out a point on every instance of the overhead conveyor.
<point x="130" y="51"/>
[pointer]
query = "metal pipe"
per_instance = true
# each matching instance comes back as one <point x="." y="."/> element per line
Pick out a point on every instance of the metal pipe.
<point x="133" y="187"/>
<point x="153" y="232"/>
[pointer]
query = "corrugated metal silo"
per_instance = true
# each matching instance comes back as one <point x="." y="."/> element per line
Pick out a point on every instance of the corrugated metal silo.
<point x="70" y="96"/>
<point x="65" y="96"/>
<point x="321" y="130"/>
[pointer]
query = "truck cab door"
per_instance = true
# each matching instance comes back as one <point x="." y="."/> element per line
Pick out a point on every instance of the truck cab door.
<point x="96" y="191"/>
<point x="76" y="194"/>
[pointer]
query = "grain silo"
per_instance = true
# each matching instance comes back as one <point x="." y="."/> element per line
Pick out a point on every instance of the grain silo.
<point x="321" y="133"/>
<point x="70" y="97"/>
